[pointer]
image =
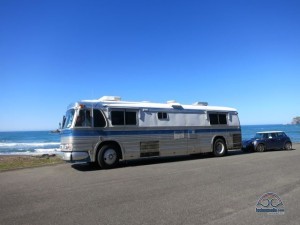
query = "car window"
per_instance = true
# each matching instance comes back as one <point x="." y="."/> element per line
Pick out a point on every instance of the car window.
<point x="258" y="136"/>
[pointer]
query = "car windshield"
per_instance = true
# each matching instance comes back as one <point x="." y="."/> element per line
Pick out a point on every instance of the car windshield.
<point x="69" y="118"/>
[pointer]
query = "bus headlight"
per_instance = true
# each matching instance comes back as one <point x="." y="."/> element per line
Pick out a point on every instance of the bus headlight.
<point x="66" y="147"/>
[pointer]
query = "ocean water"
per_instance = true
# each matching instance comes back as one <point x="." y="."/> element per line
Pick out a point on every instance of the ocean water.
<point x="29" y="143"/>
<point x="293" y="131"/>
<point x="45" y="142"/>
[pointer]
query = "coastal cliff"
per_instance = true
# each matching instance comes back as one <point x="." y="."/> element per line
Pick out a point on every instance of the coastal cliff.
<point x="296" y="120"/>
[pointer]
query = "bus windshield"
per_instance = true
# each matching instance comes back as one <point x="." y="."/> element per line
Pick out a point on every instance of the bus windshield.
<point x="69" y="118"/>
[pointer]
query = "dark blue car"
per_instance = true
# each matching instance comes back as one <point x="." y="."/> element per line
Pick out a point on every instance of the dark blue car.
<point x="268" y="140"/>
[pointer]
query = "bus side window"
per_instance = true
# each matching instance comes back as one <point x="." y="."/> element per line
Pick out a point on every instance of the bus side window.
<point x="130" y="118"/>
<point x="222" y="119"/>
<point x="213" y="118"/>
<point x="162" y="115"/>
<point x="83" y="119"/>
<point x="99" y="120"/>
<point x="80" y="118"/>
<point x="123" y="117"/>
<point x="217" y="118"/>
<point x="117" y="118"/>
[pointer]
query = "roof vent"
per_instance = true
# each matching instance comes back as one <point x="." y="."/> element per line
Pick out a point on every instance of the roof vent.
<point x="110" y="98"/>
<point x="201" y="103"/>
<point x="171" y="102"/>
<point x="174" y="104"/>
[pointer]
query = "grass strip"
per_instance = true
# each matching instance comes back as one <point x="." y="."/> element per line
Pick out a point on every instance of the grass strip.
<point x="19" y="162"/>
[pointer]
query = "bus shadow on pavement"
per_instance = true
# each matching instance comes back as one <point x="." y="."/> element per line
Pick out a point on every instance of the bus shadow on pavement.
<point x="87" y="167"/>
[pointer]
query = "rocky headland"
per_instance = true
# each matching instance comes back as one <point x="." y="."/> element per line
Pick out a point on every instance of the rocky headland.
<point x="296" y="120"/>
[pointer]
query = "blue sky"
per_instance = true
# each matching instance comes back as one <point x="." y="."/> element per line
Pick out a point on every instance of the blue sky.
<point x="242" y="54"/>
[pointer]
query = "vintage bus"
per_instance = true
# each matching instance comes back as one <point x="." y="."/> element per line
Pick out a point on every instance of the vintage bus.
<point x="108" y="129"/>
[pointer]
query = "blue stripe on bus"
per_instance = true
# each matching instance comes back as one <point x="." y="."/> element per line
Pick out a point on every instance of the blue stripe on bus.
<point x="141" y="132"/>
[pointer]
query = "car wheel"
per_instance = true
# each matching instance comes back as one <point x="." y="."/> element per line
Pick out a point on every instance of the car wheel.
<point x="219" y="148"/>
<point x="260" y="148"/>
<point x="108" y="157"/>
<point x="288" y="146"/>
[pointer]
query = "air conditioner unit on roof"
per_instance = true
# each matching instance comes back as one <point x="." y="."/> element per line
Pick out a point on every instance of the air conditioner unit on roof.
<point x="201" y="103"/>
<point x="110" y="98"/>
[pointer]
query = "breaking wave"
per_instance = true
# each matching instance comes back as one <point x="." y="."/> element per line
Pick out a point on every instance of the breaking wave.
<point x="29" y="148"/>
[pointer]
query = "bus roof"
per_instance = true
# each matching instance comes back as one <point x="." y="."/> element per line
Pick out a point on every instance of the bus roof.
<point x="116" y="102"/>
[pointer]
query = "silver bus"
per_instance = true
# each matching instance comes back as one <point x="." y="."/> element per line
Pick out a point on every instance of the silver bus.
<point x="107" y="130"/>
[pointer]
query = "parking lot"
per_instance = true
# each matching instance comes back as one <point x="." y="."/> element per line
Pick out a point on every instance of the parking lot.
<point x="179" y="190"/>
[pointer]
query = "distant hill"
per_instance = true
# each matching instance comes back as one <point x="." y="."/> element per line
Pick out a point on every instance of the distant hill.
<point x="296" y="120"/>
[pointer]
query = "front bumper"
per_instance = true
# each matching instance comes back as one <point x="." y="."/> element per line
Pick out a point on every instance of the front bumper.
<point x="76" y="157"/>
<point x="247" y="147"/>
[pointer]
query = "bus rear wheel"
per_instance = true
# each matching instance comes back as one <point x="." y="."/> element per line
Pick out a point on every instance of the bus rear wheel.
<point x="219" y="147"/>
<point x="108" y="157"/>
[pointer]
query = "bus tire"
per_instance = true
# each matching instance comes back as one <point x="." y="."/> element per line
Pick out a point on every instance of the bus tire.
<point x="219" y="148"/>
<point x="108" y="157"/>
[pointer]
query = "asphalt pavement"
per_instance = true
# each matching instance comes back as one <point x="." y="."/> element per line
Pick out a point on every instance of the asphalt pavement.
<point x="175" y="190"/>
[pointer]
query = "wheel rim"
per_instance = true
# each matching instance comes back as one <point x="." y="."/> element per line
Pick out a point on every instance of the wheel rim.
<point x="260" y="148"/>
<point x="110" y="156"/>
<point x="288" y="146"/>
<point x="220" y="148"/>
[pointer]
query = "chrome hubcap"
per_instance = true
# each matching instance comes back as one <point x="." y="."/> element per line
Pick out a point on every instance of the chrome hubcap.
<point x="220" y="148"/>
<point x="110" y="156"/>
<point x="260" y="148"/>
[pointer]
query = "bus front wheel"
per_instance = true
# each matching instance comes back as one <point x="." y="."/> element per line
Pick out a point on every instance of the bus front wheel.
<point x="108" y="157"/>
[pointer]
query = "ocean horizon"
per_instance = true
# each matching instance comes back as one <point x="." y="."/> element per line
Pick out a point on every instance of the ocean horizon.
<point x="46" y="142"/>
